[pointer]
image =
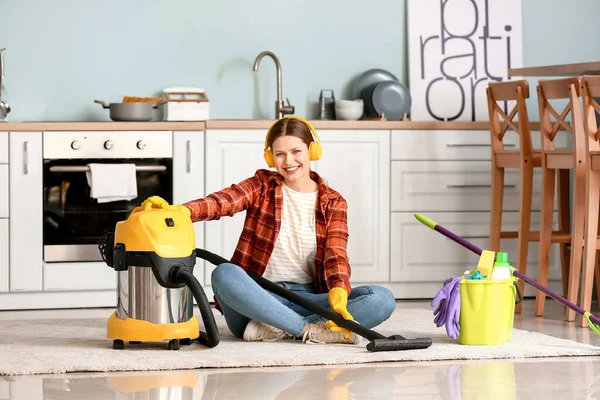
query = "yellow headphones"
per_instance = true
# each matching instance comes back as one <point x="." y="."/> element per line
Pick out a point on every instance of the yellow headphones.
<point x="314" y="150"/>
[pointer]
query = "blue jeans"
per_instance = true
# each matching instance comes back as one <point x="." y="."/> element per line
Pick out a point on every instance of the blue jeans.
<point x="242" y="300"/>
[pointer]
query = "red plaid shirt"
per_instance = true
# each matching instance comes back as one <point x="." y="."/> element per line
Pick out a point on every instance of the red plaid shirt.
<point x="261" y="196"/>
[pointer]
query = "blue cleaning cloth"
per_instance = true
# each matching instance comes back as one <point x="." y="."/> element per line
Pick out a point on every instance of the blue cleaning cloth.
<point x="477" y="276"/>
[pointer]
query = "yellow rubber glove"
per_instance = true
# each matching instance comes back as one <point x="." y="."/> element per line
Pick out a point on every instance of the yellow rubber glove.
<point x="159" y="202"/>
<point x="338" y="300"/>
<point x="183" y="209"/>
<point x="155" y="202"/>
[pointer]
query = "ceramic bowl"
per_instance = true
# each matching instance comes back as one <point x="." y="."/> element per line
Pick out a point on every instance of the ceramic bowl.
<point x="349" y="112"/>
<point x="354" y="104"/>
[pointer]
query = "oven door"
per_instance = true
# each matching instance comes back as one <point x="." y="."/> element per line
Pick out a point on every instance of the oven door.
<point x="74" y="222"/>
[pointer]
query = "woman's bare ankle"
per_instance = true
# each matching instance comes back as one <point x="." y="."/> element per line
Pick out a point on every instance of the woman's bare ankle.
<point x="306" y="329"/>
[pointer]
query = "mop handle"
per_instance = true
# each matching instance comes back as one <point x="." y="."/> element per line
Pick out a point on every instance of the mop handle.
<point x="465" y="243"/>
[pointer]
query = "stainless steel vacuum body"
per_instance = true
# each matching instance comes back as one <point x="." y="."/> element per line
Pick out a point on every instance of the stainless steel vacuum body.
<point x="140" y="296"/>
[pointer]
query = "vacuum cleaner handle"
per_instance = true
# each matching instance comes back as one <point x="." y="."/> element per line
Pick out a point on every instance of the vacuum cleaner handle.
<point x="378" y="342"/>
<point x="315" y="307"/>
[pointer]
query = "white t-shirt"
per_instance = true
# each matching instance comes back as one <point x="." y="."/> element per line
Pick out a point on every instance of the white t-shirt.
<point x="293" y="258"/>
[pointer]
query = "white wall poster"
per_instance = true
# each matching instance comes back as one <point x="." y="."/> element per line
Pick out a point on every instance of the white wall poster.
<point x="456" y="47"/>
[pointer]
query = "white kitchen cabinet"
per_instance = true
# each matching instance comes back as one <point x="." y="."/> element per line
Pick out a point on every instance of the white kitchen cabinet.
<point x="386" y="177"/>
<point x="446" y="175"/>
<point x="231" y="156"/>
<point x="426" y="145"/>
<point x="422" y="259"/>
<point x="26" y="241"/>
<point x="443" y="185"/>
<point x="73" y="276"/>
<point x="3" y="190"/>
<point x="423" y="145"/>
<point x="357" y="165"/>
<point x="4" y="255"/>
<point x="3" y="147"/>
<point x="4" y="266"/>
<point x="188" y="180"/>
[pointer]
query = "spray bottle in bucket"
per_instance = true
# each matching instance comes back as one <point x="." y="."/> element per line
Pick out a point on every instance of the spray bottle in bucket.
<point x="501" y="268"/>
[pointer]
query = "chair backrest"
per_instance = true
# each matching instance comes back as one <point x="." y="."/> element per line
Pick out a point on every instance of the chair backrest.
<point x="561" y="89"/>
<point x="517" y="119"/>
<point x="590" y="90"/>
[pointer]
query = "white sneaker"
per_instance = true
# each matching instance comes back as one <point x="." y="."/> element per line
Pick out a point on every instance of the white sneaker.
<point x="320" y="333"/>
<point x="258" y="331"/>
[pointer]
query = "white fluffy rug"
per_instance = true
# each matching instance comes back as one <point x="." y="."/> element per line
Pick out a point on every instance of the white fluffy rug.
<point x="75" y="345"/>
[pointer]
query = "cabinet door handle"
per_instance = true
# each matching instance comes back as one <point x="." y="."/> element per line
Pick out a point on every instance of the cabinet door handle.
<point x="476" y="237"/>
<point x="476" y="145"/>
<point x="476" y="186"/>
<point x="188" y="155"/>
<point x="26" y="157"/>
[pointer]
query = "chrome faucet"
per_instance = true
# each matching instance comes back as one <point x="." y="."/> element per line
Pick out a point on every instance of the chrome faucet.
<point x="280" y="108"/>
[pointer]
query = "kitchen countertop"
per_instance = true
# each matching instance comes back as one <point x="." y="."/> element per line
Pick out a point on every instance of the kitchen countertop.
<point x="101" y="126"/>
<point x="239" y="124"/>
<point x="575" y="69"/>
<point x="367" y="124"/>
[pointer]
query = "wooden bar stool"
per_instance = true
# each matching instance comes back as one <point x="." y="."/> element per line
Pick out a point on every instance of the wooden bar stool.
<point x="561" y="159"/>
<point x="525" y="159"/>
<point x="590" y="89"/>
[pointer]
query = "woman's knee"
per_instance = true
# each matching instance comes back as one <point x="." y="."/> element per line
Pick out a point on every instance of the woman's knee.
<point x="225" y="274"/>
<point x="382" y="304"/>
<point x="386" y="301"/>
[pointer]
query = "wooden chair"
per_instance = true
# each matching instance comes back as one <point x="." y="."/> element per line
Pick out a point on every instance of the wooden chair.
<point x="525" y="159"/>
<point x="561" y="159"/>
<point x="590" y="89"/>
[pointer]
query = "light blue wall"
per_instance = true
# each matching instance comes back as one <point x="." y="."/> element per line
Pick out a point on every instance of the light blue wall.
<point x="63" y="54"/>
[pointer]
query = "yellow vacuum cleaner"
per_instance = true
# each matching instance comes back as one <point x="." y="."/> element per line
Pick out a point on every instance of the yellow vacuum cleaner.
<point x="154" y="253"/>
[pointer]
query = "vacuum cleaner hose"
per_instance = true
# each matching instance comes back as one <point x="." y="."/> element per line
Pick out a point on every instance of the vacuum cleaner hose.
<point x="211" y="337"/>
<point x="377" y="341"/>
<point x="211" y="257"/>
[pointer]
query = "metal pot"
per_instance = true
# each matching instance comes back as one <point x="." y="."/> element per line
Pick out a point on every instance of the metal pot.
<point x="134" y="111"/>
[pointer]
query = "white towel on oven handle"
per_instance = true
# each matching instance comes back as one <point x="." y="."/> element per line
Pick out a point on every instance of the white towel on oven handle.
<point x="112" y="182"/>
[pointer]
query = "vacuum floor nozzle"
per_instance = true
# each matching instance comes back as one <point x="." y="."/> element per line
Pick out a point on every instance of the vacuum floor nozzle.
<point x="391" y="344"/>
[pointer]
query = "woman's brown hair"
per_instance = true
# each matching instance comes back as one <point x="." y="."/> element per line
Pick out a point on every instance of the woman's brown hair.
<point x="292" y="127"/>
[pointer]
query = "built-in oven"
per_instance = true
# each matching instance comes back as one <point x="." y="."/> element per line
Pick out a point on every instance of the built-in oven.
<point x="74" y="221"/>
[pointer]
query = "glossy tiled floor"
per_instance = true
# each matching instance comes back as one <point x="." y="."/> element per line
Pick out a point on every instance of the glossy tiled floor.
<point x="552" y="378"/>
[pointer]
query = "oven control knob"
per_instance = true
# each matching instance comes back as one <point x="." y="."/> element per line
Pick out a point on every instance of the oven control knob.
<point x="141" y="144"/>
<point x="108" y="144"/>
<point x="75" y="145"/>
